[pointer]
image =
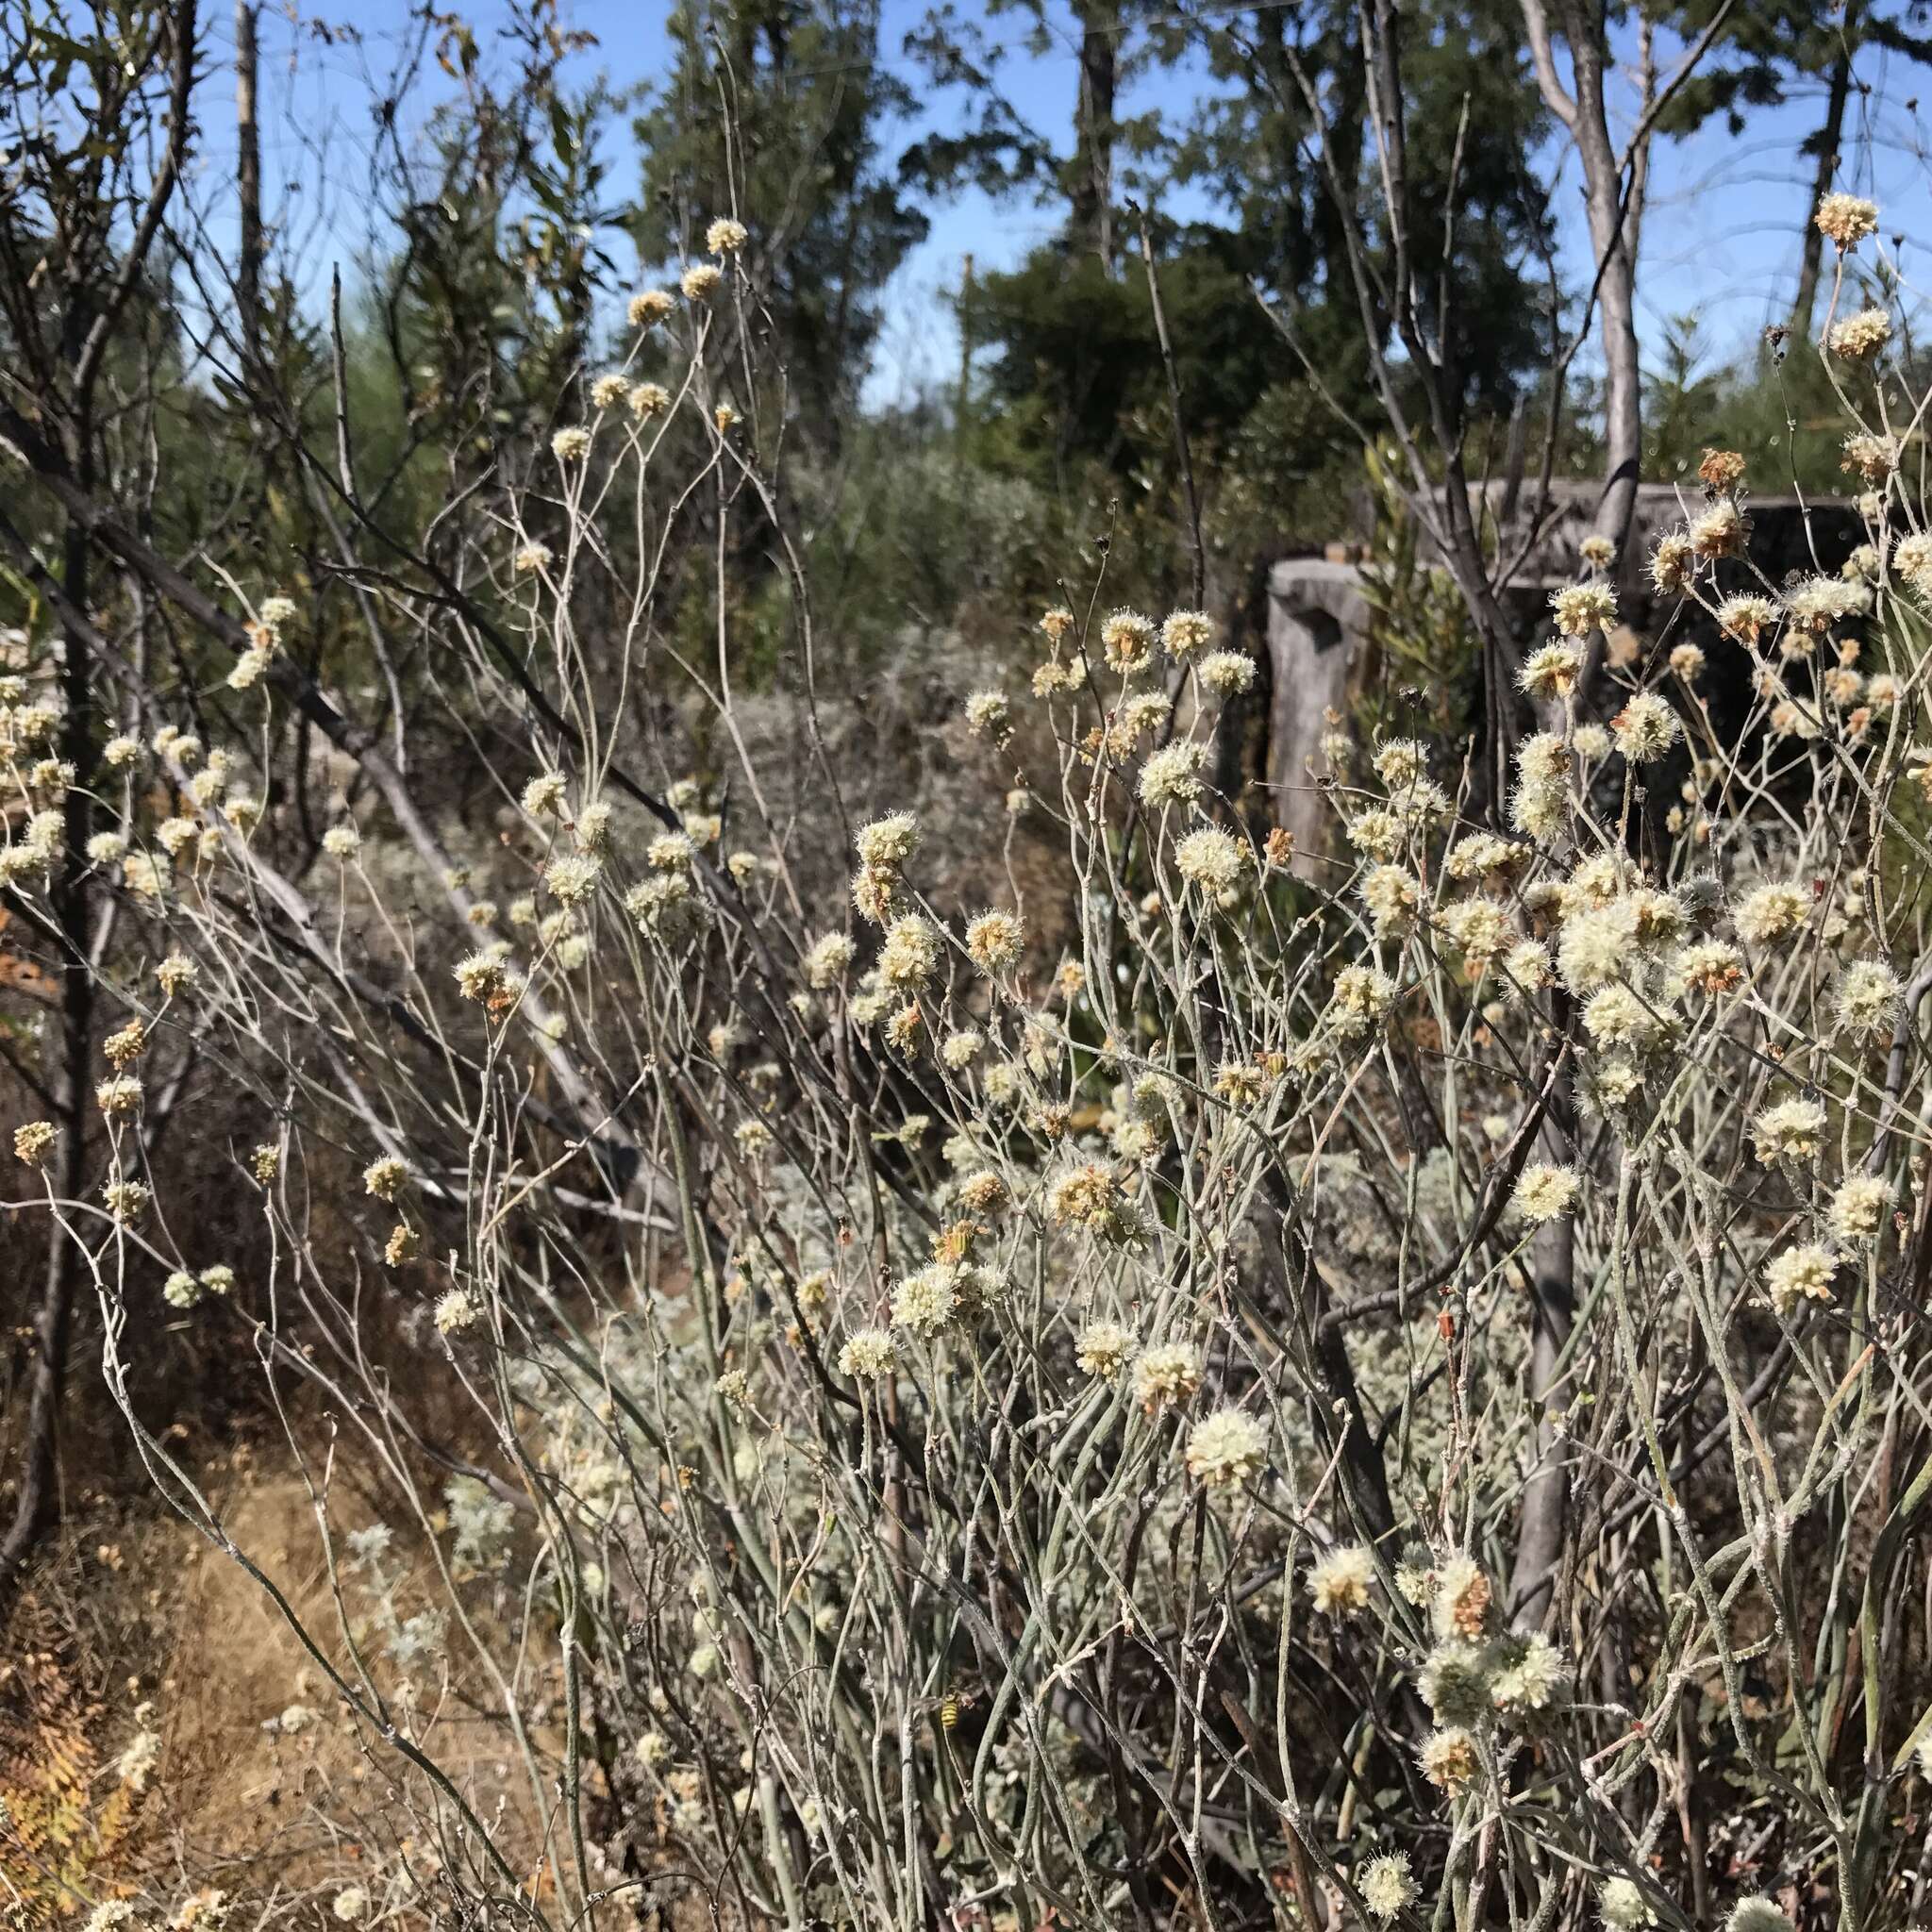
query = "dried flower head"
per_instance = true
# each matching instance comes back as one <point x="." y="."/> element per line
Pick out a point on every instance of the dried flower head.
<point x="649" y="306"/>
<point x="1449" y="1759"/>
<point x="1166" y="1375"/>
<point x="1128" y="638"/>
<point x="1871" y="456"/>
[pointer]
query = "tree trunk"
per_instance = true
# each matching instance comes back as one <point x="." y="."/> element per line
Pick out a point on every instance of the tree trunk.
<point x="1091" y="223"/>
<point x="1613" y="244"/>
<point x="1828" y="138"/>
<point x="248" y="182"/>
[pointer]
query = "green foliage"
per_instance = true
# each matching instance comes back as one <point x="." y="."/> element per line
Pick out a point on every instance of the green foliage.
<point x="1254" y="144"/>
<point x="1076" y="363"/>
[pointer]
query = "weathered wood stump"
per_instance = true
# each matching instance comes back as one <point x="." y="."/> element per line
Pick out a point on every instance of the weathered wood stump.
<point x="1318" y="622"/>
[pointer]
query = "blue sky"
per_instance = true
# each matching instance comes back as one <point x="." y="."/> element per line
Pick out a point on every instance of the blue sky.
<point x="1721" y="242"/>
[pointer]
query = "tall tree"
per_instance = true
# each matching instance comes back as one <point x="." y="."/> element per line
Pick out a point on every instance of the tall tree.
<point x="1080" y="163"/>
<point x="1473" y="128"/>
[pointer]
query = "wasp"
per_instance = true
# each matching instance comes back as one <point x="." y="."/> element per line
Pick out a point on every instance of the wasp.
<point x="948" y="1707"/>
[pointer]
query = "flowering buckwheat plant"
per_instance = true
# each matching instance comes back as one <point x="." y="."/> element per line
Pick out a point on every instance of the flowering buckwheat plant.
<point x="1035" y="1389"/>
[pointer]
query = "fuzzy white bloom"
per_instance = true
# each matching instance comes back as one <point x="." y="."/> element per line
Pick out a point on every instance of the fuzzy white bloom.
<point x="1857" y="1209"/>
<point x="1859" y="335"/>
<point x="888" y="842"/>
<point x="573" y="878"/>
<point x="386" y="1177"/>
<point x="1757" y="1915"/>
<point x="1788" y="1130"/>
<point x="649" y="306"/>
<point x="828" y="960"/>
<point x="724" y="237"/>
<point x="1187" y="633"/>
<point x="1544" y="1191"/>
<point x="1227" y="1449"/>
<point x="1209" y="859"/>
<point x="988" y="714"/>
<point x="1800" y="1274"/>
<point x="1391" y="894"/>
<point x="1166" y="1375"/>
<point x="1846" y="219"/>
<point x="1171" y="775"/>
<point x="1103" y="1349"/>
<point x="1128" y="638"/>
<point x="1868" y="1000"/>
<point x="960" y="1049"/>
<point x="1386" y="1885"/>
<point x="909" y="953"/>
<point x="1622" y="1905"/>
<point x="570" y="444"/>
<point x="994" y="941"/>
<point x="1340" y="1581"/>
<point x="1770" y="912"/>
<point x="868" y="1354"/>
<point x="1645" y="728"/>
<point x="1227" y="672"/>
<point x="1551" y="671"/>
<point x="455" y="1311"/>
<point x="1579" y="608"/>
